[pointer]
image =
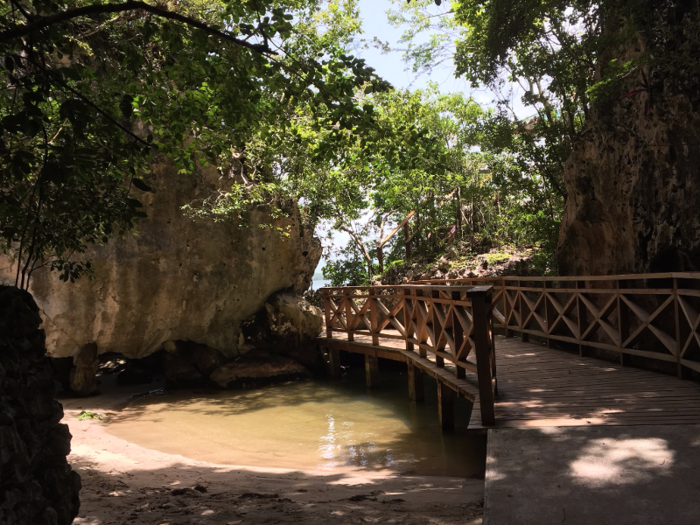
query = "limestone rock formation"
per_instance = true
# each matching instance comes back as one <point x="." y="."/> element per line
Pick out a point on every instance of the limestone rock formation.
<point x="180" y="279"/>
<point x="37" y="486"/>
<point x="287" y="325"/>
<point x="633" y="183"/>
<point x="83" y="380"/>
<point x="188" y="364"/>
<point x="291" y="316"/>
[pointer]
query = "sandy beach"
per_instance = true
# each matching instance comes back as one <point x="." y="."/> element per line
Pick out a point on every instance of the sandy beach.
<point x="124" y="483"/>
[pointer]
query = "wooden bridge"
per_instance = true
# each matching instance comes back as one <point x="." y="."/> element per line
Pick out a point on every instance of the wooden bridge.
<point x="447" y="329"/>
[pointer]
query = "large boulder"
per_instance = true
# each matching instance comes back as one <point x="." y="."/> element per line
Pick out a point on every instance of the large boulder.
<point x="287" y="325"/>
<point x="179" y="279"/>
<point x="293" y="318"/>
<point x="37" y="486"/>
<point x="188" y="364"/>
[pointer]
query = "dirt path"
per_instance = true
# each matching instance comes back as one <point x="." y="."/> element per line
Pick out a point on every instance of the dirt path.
<point x="125" y="484"/>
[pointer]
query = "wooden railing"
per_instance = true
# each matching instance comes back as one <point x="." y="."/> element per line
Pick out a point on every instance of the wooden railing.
<point x="451" y="323"/>
<point x="654" y="316"/>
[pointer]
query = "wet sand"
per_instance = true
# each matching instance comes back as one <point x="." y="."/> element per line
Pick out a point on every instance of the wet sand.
<point x="124" y="483"/>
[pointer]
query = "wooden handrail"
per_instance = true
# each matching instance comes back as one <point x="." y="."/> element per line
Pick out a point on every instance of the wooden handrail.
<point x="620" y="277"/>
<point x="655" y="316"/>
<point x="652" y="316"/>
<point x="450" y="323"/>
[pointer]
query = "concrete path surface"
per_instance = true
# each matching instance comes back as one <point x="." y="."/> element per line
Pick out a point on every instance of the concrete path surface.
<point x="595" y="475"/>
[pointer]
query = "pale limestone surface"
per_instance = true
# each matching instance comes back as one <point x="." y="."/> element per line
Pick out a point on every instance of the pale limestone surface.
<point x="179" y="279"/>
<point x="291" y="316"/>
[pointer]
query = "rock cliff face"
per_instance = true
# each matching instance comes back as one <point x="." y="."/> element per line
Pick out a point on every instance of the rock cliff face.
<point x="633" y="183"/>
<point x="37" y="486"/>
<point x="180" y="279"/>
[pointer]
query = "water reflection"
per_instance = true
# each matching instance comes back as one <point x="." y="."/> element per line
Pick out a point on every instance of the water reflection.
<point x="306" y="425"/>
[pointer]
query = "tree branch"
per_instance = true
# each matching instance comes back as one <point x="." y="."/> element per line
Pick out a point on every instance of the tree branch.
<point x="130" y="5"/>
<point x="21" y="9"/>
<point x="358" y="242"/>
<point x="89" y="102"/>
<point x="386" y="239"/>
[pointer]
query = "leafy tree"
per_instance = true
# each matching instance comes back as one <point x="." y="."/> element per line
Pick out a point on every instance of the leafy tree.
<point x="565" y="58"/>
<point x="440" y="160"/>
<point x="93" y="91"/>
<point x="349" y="269"/>
<point x="531" y="48"/>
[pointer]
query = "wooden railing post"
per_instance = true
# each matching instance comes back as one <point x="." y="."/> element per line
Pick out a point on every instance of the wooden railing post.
<point x="492" y="339"/>
<point x="407" y="318"/>
<point x="680" y="336"/>
<point x="523" y="336"/>
<point x="437" y="328"/>
<point x="506" y="308"/>
<point x="372" y="361"/>
<point x="457" y="333"/>
<point x="581" y="318"/>
<point x="373" y="322"/>
<point x="550" y="313"/>
<point x="623" y="313"/>
<point x="333" y="353"/>
<point x="348" y="314"/>
<point x="481" y="306"/>
<point x="327" y="311"/>
<point x="422" y="332"/>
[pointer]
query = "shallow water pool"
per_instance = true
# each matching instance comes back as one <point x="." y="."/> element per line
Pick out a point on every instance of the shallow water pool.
<point x="308" y="425"/>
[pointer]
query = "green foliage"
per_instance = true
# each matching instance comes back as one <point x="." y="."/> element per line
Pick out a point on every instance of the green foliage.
<point x="236" y="205"/>
<point x="86" y="415"/>
<point x="459" y="168"/>
<point x="349" y="270"/>
<point x="91" y="96"/>
<point x="268" y="92"/>
<point x="565" y="59"/>
<point x="496" y="258"/>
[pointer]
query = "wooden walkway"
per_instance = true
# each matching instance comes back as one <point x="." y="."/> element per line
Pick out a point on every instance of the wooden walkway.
<point x="539" y="386"/>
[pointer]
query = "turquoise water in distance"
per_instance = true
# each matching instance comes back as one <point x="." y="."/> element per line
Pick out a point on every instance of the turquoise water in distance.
<point x="308" y="425"/>
<point x="320" y="283"/>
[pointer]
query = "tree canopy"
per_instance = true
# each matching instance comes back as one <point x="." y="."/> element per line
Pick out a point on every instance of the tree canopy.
<point x="270" y="93"/>
<point x="92" y="91"/>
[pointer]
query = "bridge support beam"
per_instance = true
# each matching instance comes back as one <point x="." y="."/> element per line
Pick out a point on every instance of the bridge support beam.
<point x="372" y="371"/>
<point x="334" y="362"/>
<point x="446" y="407"/>
<point x="415" y="383"/>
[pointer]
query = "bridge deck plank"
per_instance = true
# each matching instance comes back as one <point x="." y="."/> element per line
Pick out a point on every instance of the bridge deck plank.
<point x="540" y="387"/>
